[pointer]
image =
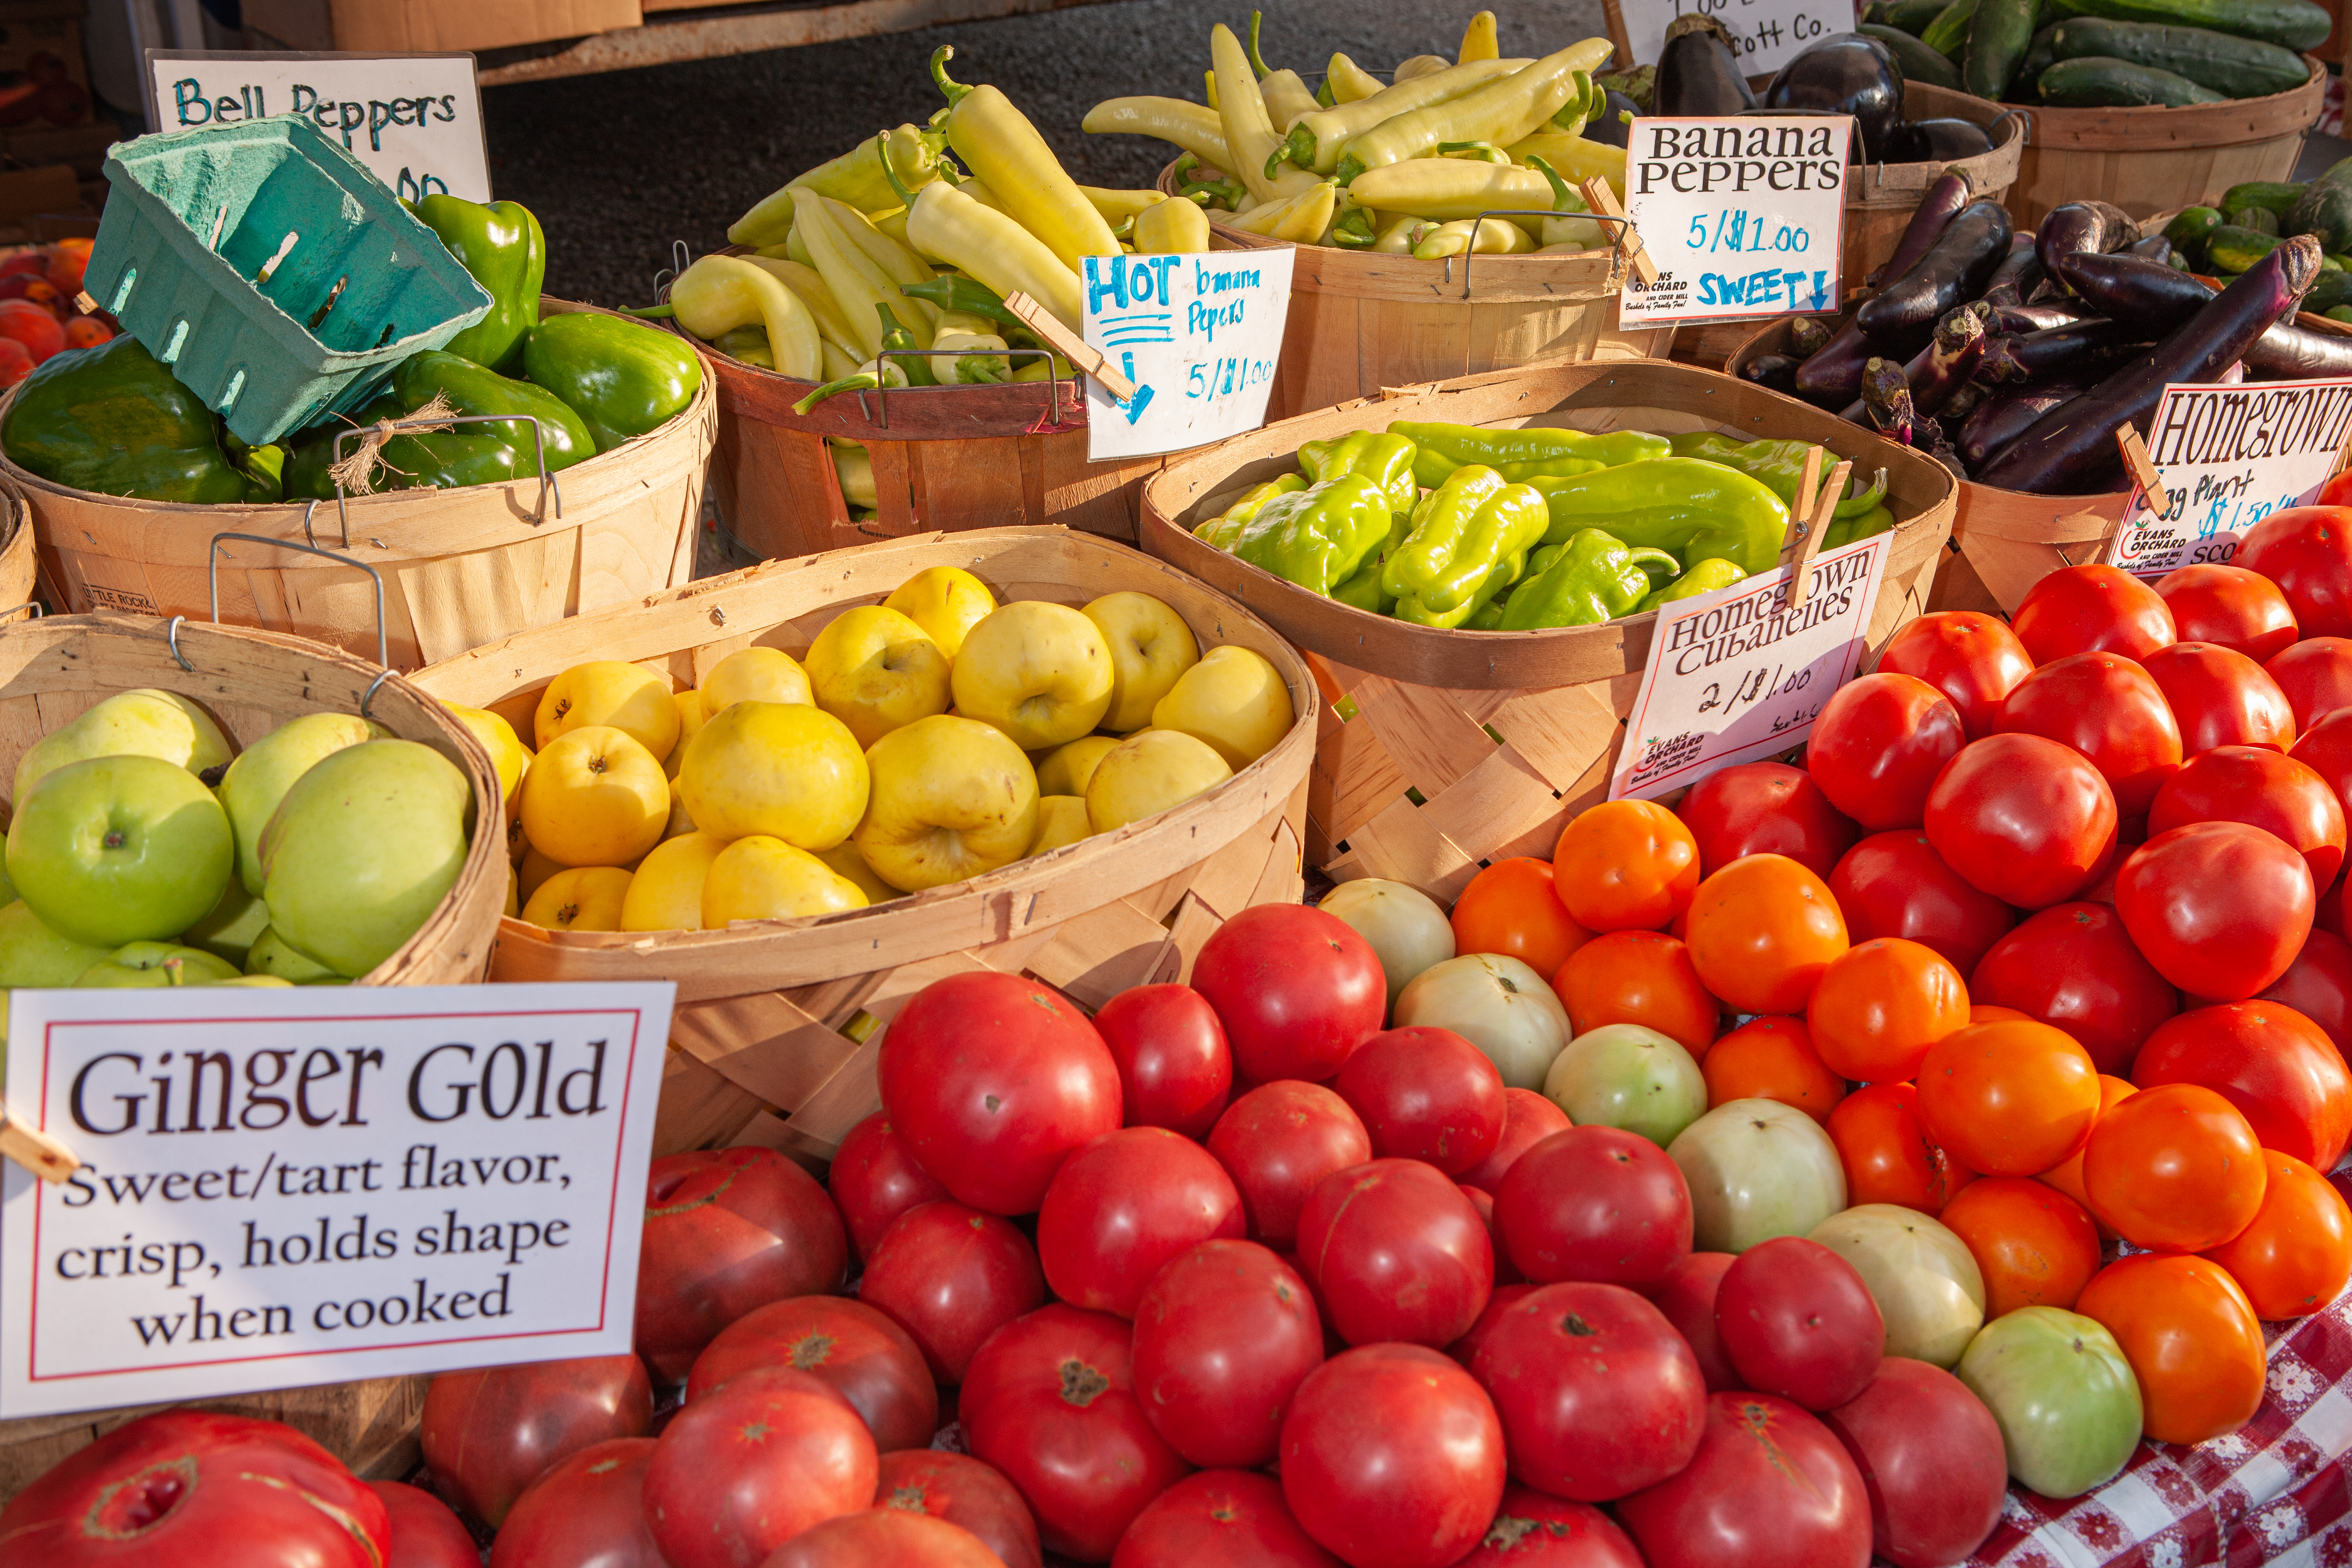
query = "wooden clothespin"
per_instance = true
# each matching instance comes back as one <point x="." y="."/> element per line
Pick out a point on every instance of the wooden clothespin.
<point x="2136" y="459"/>
<point x="1072" y="347"/>
<point x="85" y="304"/>
<point x="34" y="1150"/>
<point x="1806" y="479"/>
<point x="1816" y="529"/>
<point x="1603" y="200"/>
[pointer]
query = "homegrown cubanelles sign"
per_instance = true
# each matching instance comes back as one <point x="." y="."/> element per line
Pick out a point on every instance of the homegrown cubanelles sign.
<point x="2229" y="457"/>
<point x="1736" y="675"/>
<point x="1766" y="33"/>
<point x="1198" y="334"/>
<point x="415" y="121"/>
<point x="1744" y="218"/>
<point x="285" y="1188"/>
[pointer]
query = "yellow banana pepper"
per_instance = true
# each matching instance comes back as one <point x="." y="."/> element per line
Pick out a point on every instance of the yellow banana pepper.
<point x="989" y="245"/>
<point x="971" y="351"/>
<point x="795" y="248"/>
<point x="1418" y="67"/>
<point x="896" y="259"/>
<point x="1581" y="232"/>
<point x="1486" y="236"/>
<point x="1196" y="129"/>
<point x="1577" y="159"/>
<point x="854" y="468"/>
<point x="857" y="283"/>
<point x="1503" y="111"/>
<point x="720" y="293"/>
<point x="1349" y="82"/>
<point x="1478" y="41"/>
<point x="855" y="177"/>
<point x="838" y="361"/>
<point x="1315" y="142"/>
<point x="1173" y="228"/>
<point x="1286" y="92"/>
<point x="1397" y="232"/>
<point x="1248" y="132"/>
<point x="998" y="143"/>
<point x="808" y="285"/>
<point x="1300" y="219"/>
<point x="1122" y="206"/>
<point x="1443" y="189"/>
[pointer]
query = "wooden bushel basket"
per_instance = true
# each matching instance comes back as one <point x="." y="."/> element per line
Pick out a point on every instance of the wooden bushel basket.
<point x="778" y="1021"/>
<point x="19" y="567"/>
<point x="461" y="567"/>
<point x="1440" y="751"/>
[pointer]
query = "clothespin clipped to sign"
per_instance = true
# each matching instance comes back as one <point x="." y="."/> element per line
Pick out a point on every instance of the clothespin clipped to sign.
<point x="1806" y="480"/>
<point x="1072" y="347"/>
<point x="1603" y="200"/>
<point x="34" y="1150"/>
<point x="1816" y="529"/>
<point x="2136" y="459"/>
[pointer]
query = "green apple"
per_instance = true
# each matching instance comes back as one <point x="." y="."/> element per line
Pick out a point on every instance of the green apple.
<point x="142" y="964"/>
<point x="119" y="849"/>
<point x="230" y="930"/>
<point x="140" y="723"/>
<point x="362" y="849"/>
<point x="31" y="954"/>
<point x="262" y="774"/>
<point x="271" y="957"/>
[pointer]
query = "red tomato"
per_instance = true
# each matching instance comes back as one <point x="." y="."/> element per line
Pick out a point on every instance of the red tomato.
<point x="1533" y="1530"/>
<point x="489" y="1434"/>
<point x="883" y="1538"/>
<point x="2315" y="674"/>
<point x="1973" y="659"/>
<point x="1425" y="1094"/>
<point x="950" y="1276"/>
<point x="2318" y="984"/>
<point x="1276" y="1142"/>
<point x="2271" y="1062"/>
<point x="1051" y="1402"/>
<point x="2295" y="1256"/>
<point x="1894" y="884"/>
<point x="2330" y="918"/>
<point x="740" y="1471"/>
<point x="2033" y="1247"/>
<point x="1878" y="746"/>
<point x="1931" y="1455"/>
<point x="1595" y="1204"/>
<point x="2240" y="610"/>
<point x="1887" y="1155"/>
<point x="1688" y="1298"/>
<point x="1875" y="1010"/>
<point x="2107" y="707"/>
<point x="2221" y="697"/>
<point x="1396" y="1252"/>
<point x="423" y="1533"/>
<point x="2092" y="609"/>
<point x="588" y="1512"/>
<point x="1504" y="1272"/>
<point x="2176" y="1169"/>
<point x="726" y="1231"/>
<point x="1770" y="1487"/>
<point x="15" y="365"/>
<point x="35" y="326"/>
<point x="1174" y="1069"/>
<point x="1466" y="1348"/>
<point x="1528" y="1120"/>
<point x="2307" y="551"/>
<point x="966" y="1492"/>
<point x="2326" y="749"/>
<point x="1764" y="808"/>
<point x="2024" y="819"/>
<point x="2192" y="1341"/>
<point x="875" y="1179"/>
<point x="1123" y="1205"/>
<point x="861" y="1351"/>
<point x="1220" y="1516"/>
<point x="1798" y="1321"/>
<point x="1393" y="1457"/>
<point x="2075" y="968"/>
<point x="2261" y="788"/>
<point x="2219" y="908"/>
<point x="1295" y="989"/>
<point x="1223" y="1336"/>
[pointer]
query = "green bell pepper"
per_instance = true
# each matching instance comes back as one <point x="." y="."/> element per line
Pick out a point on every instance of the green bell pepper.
<point x="1224" y="530"/>
<point x="1488" y="617"/>
<point x="1461" y="532"/>
<point x="465" y="455"/>
<point x="1596" y="577"/>
<point x="1704" y="577"/>
<point x="1317" y="537"/>
<point x="1778" y="464"/>
<point x="1687" y="505"/>
<point x="622" y="378"/>
<point x="1387" y="459"/>
<point x="115" y="421"/>
<point x="503" y="247"/>
<point x="1363" y="590"/>
<point x="1523" y="453"/>
<point x="1877" y="520"/>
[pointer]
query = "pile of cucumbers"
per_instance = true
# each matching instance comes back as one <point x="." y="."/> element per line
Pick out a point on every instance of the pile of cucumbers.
<point x="2104" y="53"/>
<point x="2251" y="221"/>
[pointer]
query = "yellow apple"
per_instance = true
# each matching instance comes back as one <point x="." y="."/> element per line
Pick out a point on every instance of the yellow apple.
<point x="508" y="753"/>
<point x="952" y="798"/>
<point x="1234" y="700"/>
<point x="260" y="777"/>
<point x="667" y="892"/>
<point x="1061" y="819"/>
<point x="1145" y="774"/>
<point x="764" y="879"/>
<point x="1039" y="671"/>
<point x="142" y="722"/>
<point x="513" y="911"/>
<point x="587" y="897"/>
<point x="849" y="861"/>
<point x="681" y="821"/>
<point x="517" y="841"/>
<point x="754" y="675"/>
<point x="781" y="769"/>
<point x="609" y="692"/>
<point x="874" y="670"/>
<point x="945" y="600"/>
<point x="594" y="796"/>
<point x="1066" y="769"/>
<point x="1150" y="646"/>
<point x="690" y="718"/>
<point x="533" y="869"/>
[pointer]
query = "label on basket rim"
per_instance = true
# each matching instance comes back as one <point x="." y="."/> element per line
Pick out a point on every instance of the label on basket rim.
<point x="281" y="1187"/>
<point x="2230" y="456"/>
<point x="1743" y="217"/>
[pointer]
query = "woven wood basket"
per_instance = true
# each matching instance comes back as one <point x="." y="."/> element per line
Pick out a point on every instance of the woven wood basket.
<point x="1438" y="752"/>
<point x="19" y="565"/>
<point x="777" y="1027"/>
<point x="461" y="567"/>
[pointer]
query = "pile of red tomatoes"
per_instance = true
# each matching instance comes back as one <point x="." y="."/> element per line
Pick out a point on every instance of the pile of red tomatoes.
<point x="39" y="312"/>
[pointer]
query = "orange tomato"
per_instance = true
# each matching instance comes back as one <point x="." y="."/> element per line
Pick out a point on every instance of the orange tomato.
<point x="69" y="260"/>
<point x="2192" y="1340"/>
<point x="2008" y="1099"/>
<point x="2068" y="1174"/>
<point x="1639" y="978"/>
<point x="2174" y="1169"/>
<point x="1986" y="1013"/>
<point x="86" y="331"/>
<point x="2297" y="1254"/>
<point x="1888" y="1157"/>
<point x="1771" y="1059"/>
<point x="1762" y="930"/>
<point x="2035" y="1248"/>
<point x="1509" y="907"/>
<point x="1625" y="865"/>
<point x="1877" y="1008"/>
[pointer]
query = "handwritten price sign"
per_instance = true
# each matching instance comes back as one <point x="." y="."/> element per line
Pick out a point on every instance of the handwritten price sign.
<point x="1199" y="335"/>
<point x="1744" y="218"/>
<point x="2230" y="456"/>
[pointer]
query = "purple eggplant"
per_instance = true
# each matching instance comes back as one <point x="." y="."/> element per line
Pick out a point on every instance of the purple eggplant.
<point x="1902" y="317"/>
<point x="1774" y="372"/>
<point x="1943" y="367"/>
<point x="1830" y="376"/>
<point x="1886" y="398"/>
<point x="2155" y="247"/>
<point x="1964" y="402"/>
<point x="2082" y="228"/>
<point x="2157" y="298"/>
<point x="1845" y="73"/>
<point x="2016" y="321"/>
<point x="1934" y="214"/>
<point x="2289" y="352"/>
<point x="1937" y="142"/>
<point x="2009" y="412"/>
<point x="2037" y="356"/>
<point x="2072" y="449"/>
<point x="1808" y="335"/>
<point x="1697" y="72"/>
<point x="2018" y="274"/>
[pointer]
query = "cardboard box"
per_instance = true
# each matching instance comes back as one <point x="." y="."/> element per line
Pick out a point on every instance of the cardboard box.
<point x="44" y="79"/>
<point x="425" y="26"/>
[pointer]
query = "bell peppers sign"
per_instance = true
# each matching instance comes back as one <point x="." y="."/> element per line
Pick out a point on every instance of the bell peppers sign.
<point x="286" y="1187"/>
<point x="1742" y="216"/>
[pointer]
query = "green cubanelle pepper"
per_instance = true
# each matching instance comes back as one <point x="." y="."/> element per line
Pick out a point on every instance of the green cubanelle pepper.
<point x="1845" y="530"/>
<point x="621" y="378"/>
<point x="265" y="466"/>
<point x="1225" y="528"/>
<point x="502" y="245"/>
<point x="1687" y="505"/>
<point x="113" y="420"/>
<point x="1704" y="577"/>
<point x="474" y="454"/>
<point x="1386" y="459"/>
<point x="1468" y="539"/>
<point x="1778" y="464"/>
<point x="1523" y="453"/>
<point x="749" y="344"/>
<point x="1595" y="577"/>
<point x="1319" y="536"/>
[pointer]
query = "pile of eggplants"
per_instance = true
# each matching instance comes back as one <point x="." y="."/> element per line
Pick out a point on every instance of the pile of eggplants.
<point x="1844" y="73"/>
<point x="2013" y="358"/>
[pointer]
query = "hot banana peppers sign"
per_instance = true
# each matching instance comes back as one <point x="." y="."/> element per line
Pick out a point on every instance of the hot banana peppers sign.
<point x="1198" y="334"/>
<point x="288" y="1187"/>
<point x="1742" y="217"/>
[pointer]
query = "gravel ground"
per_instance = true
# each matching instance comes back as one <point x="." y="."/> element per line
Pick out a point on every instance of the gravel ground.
<point x="616" y="166"/>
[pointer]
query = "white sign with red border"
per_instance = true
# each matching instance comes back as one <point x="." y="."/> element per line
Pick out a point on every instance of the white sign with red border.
<point x="2229" y="457"/>
<point x="287" y="1187"/>
<point x="1743" y="217"/>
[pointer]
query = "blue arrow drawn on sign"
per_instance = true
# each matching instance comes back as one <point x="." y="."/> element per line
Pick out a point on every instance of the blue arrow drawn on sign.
<point x="1143" y="398"/>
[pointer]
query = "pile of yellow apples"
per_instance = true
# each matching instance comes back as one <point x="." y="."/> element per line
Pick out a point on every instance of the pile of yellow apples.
<point x="915" y="743"/>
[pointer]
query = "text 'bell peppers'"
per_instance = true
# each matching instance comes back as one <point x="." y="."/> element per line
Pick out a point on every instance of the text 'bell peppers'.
<point x="621" y="378"/>
<point x="720" y="293"/>
<point x="1461" y="532"/>
<point x="998" y="143"/>
<point x="1595" y="577"/>
<point x="1704" y="577"/>
<point x="1316" y="537"/>
<point x="502" y="245"/>
<point x="115" y="421"/>
<point x="1689" y="506"/>
<point x="1385" y="460"/>
<point x="1523" y="453"/>
<point x="1778" y="464"/>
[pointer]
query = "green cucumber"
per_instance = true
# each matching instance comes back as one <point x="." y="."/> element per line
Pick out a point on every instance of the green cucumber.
<point x="2331" y="264"/>
<point x="2188" y="231"/>
<point x="2325" y="209"/>
<point x="2041" y="54"/>
<point x="1919" y="62"/>
<point x="2099" y="82"/>
<point x="1948" y="35"/>
<point x="1998" y="34"/>
<point x="1911" y="16"/>
<point x="2233" y="67"/>
<point x="2297" y="24"/>
<point x="2340" y="313"/>
<point x="2329" y="291"/>
<point x="2233" y="250"/>
<point x="2262" y="220"/>
<point x="2272" y="195"/>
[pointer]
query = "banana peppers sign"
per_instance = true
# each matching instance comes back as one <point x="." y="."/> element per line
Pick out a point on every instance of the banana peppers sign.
<point x="286" y="1187"/>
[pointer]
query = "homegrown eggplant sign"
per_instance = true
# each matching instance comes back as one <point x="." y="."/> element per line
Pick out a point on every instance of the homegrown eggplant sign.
<point x="284" y="1187"/>
<point x="2229" y="457"/>
<point x="1743" y="217"/>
